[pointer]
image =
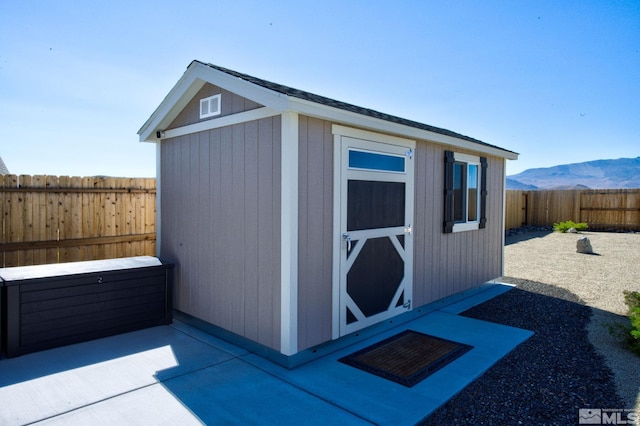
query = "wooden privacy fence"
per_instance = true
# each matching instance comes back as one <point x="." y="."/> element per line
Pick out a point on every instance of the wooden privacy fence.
<point x="601" y="209"/>
<point x="50" y="219"/>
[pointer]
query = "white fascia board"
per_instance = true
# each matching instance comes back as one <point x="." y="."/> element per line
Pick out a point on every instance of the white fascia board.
<point x="191" y="82"/>
<point x="171" y="105"/>
<point x="246" y="89"/>
<point x="351" y="118"/>
<point x="198" y="74"/>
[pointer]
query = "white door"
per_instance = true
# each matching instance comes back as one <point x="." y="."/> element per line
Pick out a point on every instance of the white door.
<point x="375" y="236"/>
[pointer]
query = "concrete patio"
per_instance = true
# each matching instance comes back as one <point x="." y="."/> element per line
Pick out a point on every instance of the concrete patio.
<point x="180" y="375"/>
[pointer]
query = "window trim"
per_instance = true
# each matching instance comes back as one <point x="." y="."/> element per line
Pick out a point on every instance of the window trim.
<point x="215" y="99"/>
<point x="450" y="225"/>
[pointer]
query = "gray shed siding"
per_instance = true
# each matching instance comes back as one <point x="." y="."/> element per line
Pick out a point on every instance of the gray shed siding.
<point x="230" y="103"/>
<point x="315" y="231"/>
<point x="220" y="195"/>
<point x="444" y="264"/>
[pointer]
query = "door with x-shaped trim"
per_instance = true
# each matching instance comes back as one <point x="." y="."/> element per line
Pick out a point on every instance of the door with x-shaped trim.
<point x="376" y="241"/>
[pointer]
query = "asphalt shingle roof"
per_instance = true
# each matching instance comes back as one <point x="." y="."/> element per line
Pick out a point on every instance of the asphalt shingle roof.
<point x="301" y="94"/>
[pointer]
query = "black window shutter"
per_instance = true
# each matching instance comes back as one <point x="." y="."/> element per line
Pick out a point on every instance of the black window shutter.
<point x="483" y="192"/>
<point x="449" y="161"/>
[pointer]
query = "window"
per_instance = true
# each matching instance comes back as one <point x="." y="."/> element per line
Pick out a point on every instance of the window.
<point x="465" y="192"/>
<point x="210" y="106"/>
<point x="367" y="160"/>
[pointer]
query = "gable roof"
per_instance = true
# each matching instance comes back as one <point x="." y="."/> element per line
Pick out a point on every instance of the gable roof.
<point x="285" y="98"/>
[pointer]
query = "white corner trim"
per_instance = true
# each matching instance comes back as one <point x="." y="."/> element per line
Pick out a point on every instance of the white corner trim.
<point x="504" y="212"/>
<point x="216" y="123"/>
<point x="289" y="235"/>
<point x="158" y="199"/>
<point x="337" y="215"/>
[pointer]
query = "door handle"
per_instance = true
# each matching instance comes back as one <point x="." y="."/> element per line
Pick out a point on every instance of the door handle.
<point x="347" y="238"/>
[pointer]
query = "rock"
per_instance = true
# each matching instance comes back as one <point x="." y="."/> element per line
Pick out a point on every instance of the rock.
<point x="572" y="231"/>
<point x="584" y="246"/>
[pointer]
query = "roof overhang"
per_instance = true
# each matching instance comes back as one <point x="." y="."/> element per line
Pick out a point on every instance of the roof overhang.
<point x="198" y="74"/>
<point x="379" y="125"/>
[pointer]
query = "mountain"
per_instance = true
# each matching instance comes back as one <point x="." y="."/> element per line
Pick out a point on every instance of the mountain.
<point x="599" y="174"/>
<point x="514" y="184"/>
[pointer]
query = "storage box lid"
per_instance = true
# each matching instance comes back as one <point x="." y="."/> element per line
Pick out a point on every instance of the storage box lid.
<point x="72" y="268"/>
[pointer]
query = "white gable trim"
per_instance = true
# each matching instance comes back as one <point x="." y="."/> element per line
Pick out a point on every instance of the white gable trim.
<point x="192" y="80"/>
<point x="197" y="74"/>
<point x="227" y="120"/>
<point x="240" y="87"/>
<point x="168" y="110"/>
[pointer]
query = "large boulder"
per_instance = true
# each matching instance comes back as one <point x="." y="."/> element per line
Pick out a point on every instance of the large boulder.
<point x="584" y="246"/>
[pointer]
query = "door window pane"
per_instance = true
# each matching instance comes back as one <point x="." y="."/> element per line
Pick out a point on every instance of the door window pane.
<point x="375" y="161"/>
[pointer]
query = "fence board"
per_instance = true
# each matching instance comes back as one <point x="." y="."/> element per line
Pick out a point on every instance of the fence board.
<point x="49" y="219"/>
<point x="602" y="209"/>
<point x="515" y="212"/>
<point x="39" y="217"/>
<point x="74" y="230"/>
<point x="116" y="216"/>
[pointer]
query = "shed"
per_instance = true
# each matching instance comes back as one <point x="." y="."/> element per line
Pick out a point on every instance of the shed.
<point x="298" y="222"/>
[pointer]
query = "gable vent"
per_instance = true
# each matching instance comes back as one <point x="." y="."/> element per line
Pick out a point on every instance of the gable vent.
<point x="210" y="106"/>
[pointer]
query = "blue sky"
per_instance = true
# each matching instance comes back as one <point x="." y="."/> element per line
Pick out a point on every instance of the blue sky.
<point x="557" y="81"/>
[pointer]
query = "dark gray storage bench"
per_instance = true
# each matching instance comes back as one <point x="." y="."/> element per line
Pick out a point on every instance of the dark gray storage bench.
<point x="46" y="306"/>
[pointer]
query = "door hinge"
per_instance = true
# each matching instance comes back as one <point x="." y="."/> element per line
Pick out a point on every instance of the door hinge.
<point x="347" y="238"/>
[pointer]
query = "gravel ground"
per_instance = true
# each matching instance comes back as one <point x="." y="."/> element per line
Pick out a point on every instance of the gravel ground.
<point x="598" y="280"/>
<point x="572" y="361"/>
